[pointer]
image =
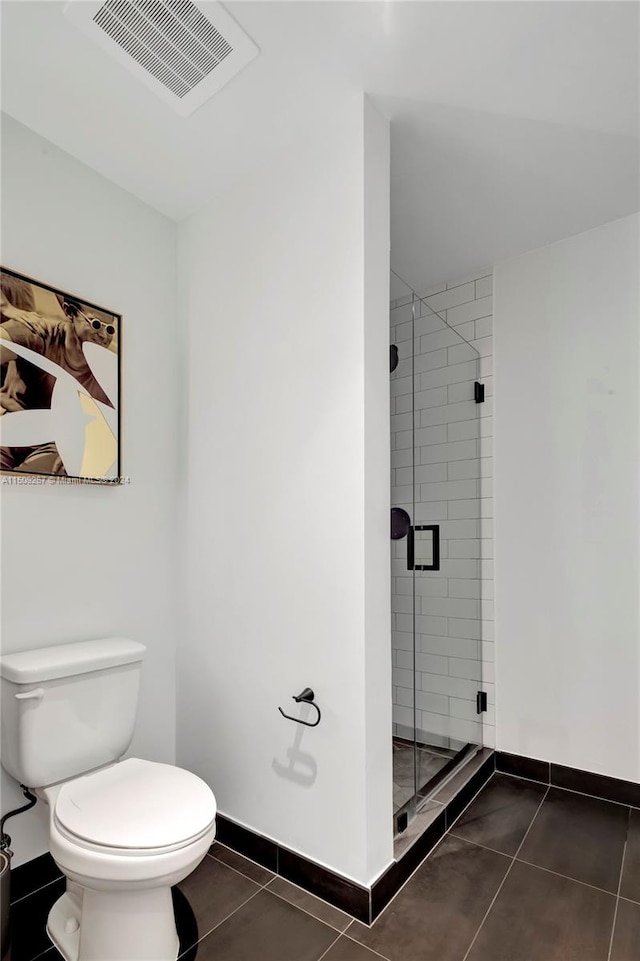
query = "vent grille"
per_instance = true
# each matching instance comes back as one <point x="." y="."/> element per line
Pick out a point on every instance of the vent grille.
<point x="170" y="39"/>
<point x="182" y="50"/>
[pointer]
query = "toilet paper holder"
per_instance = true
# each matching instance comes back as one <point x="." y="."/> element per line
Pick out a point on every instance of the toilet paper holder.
<point x="306" y="697"/>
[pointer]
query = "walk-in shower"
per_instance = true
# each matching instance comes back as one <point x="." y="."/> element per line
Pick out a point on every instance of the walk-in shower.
<point x="436" y="403"/>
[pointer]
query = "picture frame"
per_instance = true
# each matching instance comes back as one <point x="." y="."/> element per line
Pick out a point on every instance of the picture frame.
<point x="60" y="385"/>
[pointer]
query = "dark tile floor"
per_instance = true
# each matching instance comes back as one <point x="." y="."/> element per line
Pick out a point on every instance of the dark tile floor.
<point x="528" y="873"/>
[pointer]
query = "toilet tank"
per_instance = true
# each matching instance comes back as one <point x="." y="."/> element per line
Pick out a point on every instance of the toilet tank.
<point x="68" y="709"/>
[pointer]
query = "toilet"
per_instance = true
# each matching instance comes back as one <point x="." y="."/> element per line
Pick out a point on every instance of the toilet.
<point x="121" y="831"/>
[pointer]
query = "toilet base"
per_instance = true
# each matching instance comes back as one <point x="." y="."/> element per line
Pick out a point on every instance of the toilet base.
<point x="87" y="925"/>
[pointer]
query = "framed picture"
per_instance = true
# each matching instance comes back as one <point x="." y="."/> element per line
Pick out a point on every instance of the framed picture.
<point x="59" y="384"/>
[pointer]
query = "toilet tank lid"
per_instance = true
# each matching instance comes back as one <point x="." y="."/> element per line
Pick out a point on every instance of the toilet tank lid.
<point x="66" y="660"/>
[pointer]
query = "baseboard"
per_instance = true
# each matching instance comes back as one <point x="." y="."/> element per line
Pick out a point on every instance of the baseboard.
<point x="337" y="890"/>
<point x="570" y="778"/>
<point x="33" y="875"/>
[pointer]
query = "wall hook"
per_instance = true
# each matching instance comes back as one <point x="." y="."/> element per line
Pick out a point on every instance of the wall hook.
<point x="307" y="697"/>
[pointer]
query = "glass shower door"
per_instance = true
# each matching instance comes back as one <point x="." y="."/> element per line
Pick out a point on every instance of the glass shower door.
<point x="436" y="399"/>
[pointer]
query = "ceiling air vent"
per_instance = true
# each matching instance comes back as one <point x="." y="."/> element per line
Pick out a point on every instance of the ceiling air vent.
<point x="183" y="51"/>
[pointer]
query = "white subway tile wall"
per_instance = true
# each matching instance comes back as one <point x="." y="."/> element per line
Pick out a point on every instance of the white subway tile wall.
<point x="452" y="472"/>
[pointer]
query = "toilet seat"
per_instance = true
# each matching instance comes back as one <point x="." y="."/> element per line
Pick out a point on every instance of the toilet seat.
<point x="135" y="808"/>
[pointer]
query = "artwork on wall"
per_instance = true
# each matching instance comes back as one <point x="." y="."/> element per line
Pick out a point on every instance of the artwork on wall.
<point x="59" y="384"/>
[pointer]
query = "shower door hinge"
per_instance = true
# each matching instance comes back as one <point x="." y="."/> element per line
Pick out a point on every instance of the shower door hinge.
<point x="481" y="702"/>
<point x="478" y="392"/>
<point x="402" y="822"/>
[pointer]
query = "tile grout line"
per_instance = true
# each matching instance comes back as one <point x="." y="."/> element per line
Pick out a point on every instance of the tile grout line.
<point x="540" y="867"/>
<point x="266" y="887"/>
<point x="44" y="953"/>
<point x="513" y="861"/>
<point x="304" y="910"/>
<point x="37" y="890"/>
<point x="566" y="877"/>
<point x="559" y="787"/>
<point x="594" y="797"/>
<point x="366" y="947"/>
<point x="222" y="921"/>
<point x="615" y="913"/>
<point x="520" y="777"/>
<point x="241" y="873"/>
<point x="630" y="900"/>
<point x="324" y="953"/>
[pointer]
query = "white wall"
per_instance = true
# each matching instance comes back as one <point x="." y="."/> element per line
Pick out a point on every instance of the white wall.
<point x="288" y="550"/>
<point x="82" y="562"/>
<point x="566" y="476"/>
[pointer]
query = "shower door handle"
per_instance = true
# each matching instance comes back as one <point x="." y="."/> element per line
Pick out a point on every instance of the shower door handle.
<point x="435" y="548"/>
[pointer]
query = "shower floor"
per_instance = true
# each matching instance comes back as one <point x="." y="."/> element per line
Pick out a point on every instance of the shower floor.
<point x="430" y="761"/>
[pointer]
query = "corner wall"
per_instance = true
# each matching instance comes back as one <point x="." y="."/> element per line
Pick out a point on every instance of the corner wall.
<point x="288" y="565"/>
<point x="566" y="330"/>
<point x="86" y="561"/>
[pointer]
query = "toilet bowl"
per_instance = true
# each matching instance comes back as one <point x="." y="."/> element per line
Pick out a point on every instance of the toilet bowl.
<point x="123" y="836"/>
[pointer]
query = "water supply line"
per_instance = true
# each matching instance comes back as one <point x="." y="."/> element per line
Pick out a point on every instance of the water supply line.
<point x="5" y="840"/>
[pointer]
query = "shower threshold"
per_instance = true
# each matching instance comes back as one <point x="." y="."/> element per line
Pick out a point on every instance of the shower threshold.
<point x="433" y="768"/>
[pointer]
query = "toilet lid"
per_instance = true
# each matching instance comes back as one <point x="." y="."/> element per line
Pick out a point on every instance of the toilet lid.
<point x="136" y="804"/>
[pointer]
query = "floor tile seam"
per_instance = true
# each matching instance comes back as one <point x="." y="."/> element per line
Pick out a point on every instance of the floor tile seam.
<point x="569" y="791"/>
<point x="218" y="923"/>
<point x="383" y="957"/>
<point x="488" y="911"/>
<point x="250" y="860"/>
<point x="550" y="784"/>
<point x="630" y="900"/>
<point x="502" y="883"/>
<point x="42" y="954"/>
<point x="35" y="891"/>
<point x="615" y="912"/>
<point x="486" y="785"/>
<point x="532" y="822"/>
<point x="241" y="873"/>
<point x="521" y="777"/>
<point x="304" y="910"/>
<point x="566" y="877"/>
<point x="532" y="864"/>
<point x="326" y="951"/>
<point x="477" y="844"/>
<point x="594" y="797"/>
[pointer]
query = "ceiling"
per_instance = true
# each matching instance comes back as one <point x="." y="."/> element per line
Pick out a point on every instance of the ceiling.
<point x="513" y="123"/>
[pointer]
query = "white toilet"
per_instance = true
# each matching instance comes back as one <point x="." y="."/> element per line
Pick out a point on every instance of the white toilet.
<point x="123" y="832"/>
